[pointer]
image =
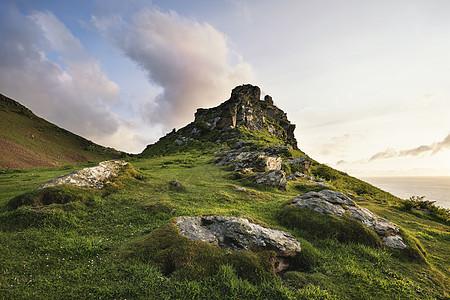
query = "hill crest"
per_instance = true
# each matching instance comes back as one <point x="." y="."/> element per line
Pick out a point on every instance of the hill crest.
<point x="28" y="141"/>
<point x="243" y="118"/>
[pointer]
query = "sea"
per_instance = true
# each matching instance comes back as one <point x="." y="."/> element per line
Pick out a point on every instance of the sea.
<point x="433" y="188"/>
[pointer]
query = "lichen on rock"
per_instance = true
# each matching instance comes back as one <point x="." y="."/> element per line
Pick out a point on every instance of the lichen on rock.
<point x="239" y="234"/>
<point x="338" y="204"/>
<point x="95" y="177"/>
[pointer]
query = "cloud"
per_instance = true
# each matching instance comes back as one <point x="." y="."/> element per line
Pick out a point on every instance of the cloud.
<point x="339" y="145"/>
<point x="433" y="148"/>
<point x="187" y="60"/>
<point x="242" y="10"/>
<point x="73" y="93"/>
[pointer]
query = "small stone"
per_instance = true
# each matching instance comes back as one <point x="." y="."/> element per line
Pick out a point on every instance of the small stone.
<point x="291" y="177"/>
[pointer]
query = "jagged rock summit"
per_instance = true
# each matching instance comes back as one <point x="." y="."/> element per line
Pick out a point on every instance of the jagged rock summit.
<point x="232" y="122"/>
<point x="244" y="108"/>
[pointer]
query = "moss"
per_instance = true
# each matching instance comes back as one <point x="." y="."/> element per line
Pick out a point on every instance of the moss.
<point x="164" y="206"/>
<point x="184" y="258"/>
<point x="55" y="195"/>
<point x="414" y="252"/>
<point x="314" y="225"/>
<point x="307" y="259"/>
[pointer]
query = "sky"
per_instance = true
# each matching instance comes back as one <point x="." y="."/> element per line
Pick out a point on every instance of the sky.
<point x="366" y="82"/>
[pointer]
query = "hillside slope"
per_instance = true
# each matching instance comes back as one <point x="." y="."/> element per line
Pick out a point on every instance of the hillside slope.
<point x="124" y="241"/>
<point x="28" y="141"/>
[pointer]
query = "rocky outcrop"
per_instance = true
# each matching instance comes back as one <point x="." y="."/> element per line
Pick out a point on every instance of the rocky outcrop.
<point x="338" y="204"/>
<point x="302" y="164"/>
<point x="95" y="177"/>
<point x="239" y="234"/>
<point x="275" y="178"/>
<point x="236" y="119"/>
<point x="255" y="161"/>
<point x="244" y="108"/>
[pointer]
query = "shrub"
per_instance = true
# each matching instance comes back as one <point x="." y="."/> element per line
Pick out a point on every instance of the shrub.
<point x="421" y="207"/>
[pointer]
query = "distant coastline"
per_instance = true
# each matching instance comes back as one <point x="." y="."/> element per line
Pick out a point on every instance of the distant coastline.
<point x="435" y="188"/>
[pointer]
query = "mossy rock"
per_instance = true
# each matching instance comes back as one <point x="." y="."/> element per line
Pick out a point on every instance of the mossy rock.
<point x="314" y="225"/>
<point x="181" y="257"/>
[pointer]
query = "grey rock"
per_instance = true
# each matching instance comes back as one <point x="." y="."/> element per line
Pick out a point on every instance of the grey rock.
<point x="95" y="177"/>
<point x="319" y="205"/>
<point x="291" y="177"/>
<point x="394" y="241"/>
<point x="302" y="162"/>
<point x="256" y="161"/>
<point x="338" y="204"/>
<point x="276" y="178"/>
<point x="239" y="234"/>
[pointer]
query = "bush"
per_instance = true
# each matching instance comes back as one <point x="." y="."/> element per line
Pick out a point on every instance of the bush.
<point x="427" y="207"/>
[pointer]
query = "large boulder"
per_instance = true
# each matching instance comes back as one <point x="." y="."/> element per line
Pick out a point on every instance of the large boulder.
<point x="239" y="234"/>
<point x="338" y="204"/>
<point x="95" y="177"/>
<point x="275" y="178"/>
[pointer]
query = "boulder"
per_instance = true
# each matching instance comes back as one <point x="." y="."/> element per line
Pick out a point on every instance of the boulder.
<point x="255" y="161"/>
<point x="302" y="163"/>
<point x="394" y="241"/>
<point x="275" y="178"/>
<point x="338" y="204"/>
<point x="239" y="234"/>
<point x="95" y="177"/>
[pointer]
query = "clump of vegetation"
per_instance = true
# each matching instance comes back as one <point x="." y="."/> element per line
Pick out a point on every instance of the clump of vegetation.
<point x="421" y="207"/>
<point x="55" y="195"/>
<point x="182" y="257"/>
<point x="313" y="225"/>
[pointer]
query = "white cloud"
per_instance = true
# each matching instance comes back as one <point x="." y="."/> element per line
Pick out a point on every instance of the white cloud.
<point x="188" y="60"/>
<point x="74" y="95"/>
<point x="432" y="148"/>
<point x="71" y="90"/>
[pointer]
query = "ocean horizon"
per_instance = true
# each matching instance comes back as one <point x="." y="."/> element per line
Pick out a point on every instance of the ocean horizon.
<point x="434" y="188"/>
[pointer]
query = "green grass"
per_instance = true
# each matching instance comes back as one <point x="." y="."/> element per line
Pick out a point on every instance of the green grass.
<point x="29" y="141"/>
<point x="112" y="246"/>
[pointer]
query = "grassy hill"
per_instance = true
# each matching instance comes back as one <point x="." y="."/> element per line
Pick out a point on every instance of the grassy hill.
<point x="94" y="247"/>
<point x="121" y="242"/>
<point x="27" y="141"/>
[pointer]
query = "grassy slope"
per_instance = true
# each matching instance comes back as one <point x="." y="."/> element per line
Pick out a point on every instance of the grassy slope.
<point x="73" y="251"/>
<point x="29" y="141"/>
